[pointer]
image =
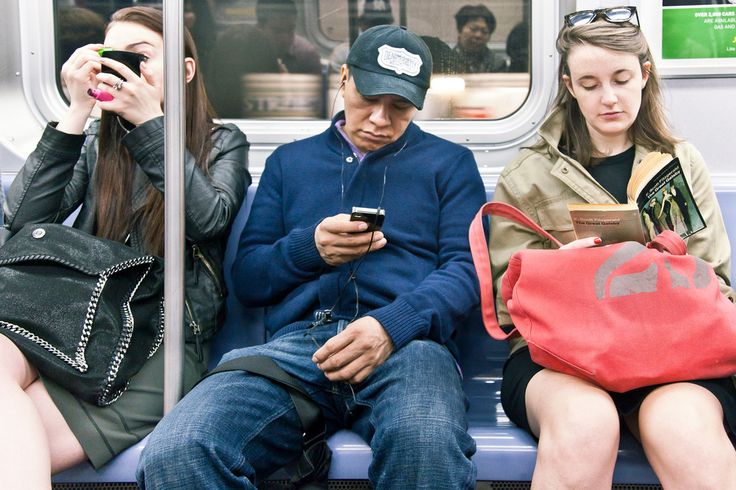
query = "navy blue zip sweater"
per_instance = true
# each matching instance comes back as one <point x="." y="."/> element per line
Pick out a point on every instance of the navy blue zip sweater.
<point x="420" y="285"/>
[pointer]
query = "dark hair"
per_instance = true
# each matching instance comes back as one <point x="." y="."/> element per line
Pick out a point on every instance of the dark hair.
<point x="517" y="48"/>
<point x="273" y="9"/>
<point x="470" y="12"/>
<point x="77" y="26"/>
<point x="444" y="59"/>
<point x="115" y="169"/>
<point x="376" y="13"/>
<point x="650" y="128"/>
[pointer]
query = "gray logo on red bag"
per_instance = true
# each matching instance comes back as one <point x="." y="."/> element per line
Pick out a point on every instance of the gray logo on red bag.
<point x="644" y="281"/>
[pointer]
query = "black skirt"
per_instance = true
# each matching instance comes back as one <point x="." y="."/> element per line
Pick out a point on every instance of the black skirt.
<point x="519" y="369"/>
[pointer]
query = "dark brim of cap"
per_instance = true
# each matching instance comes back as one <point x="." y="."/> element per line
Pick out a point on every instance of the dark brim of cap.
<point x="370" y="84"/>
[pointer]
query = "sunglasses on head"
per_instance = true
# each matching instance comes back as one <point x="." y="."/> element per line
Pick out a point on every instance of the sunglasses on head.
<point x="615" y="15"/>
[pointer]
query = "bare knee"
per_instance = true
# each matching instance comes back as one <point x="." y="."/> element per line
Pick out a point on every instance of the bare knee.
<point x="679" y="414"/>
<point x="578" y="428"/>
<point x="681" y="427"/>
<point x="586" y="428"/>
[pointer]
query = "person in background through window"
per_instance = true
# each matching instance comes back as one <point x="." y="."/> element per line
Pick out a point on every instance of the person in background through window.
<point x="76" y="27"/>
<point x="517" y="48"/>
<point x="375" y="13"/>
<point x="475" y="24"/>
<point x="201" y="23"/>
<point x="271" y="46"/>
<point x="294" y="54"/>
<point x="444" y="59"/>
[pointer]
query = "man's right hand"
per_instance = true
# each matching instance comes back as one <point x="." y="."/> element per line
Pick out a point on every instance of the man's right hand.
<point x="340" y="240"/>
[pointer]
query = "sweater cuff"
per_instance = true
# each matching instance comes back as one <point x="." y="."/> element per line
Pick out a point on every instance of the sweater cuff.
<point x="61" y="143"/>
<point x="400" y="321"/>
<point x="303" y="250"/>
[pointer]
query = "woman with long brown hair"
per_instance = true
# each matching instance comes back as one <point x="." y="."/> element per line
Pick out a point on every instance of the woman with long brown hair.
<point x="606" y="117"/>
<point x="114" y="170"/>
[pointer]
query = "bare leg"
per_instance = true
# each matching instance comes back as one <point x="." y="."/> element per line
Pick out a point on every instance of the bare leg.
<point x="63" y="446"/>
<point x="25" y="455"/>
<point x="578" y="429"/>
<point x="681" y="429"/>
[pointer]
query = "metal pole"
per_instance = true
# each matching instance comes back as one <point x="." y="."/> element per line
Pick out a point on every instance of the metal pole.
<point x="402" y="13"/>
<point x="174" y="135"/>
<point x="353" y="20"/>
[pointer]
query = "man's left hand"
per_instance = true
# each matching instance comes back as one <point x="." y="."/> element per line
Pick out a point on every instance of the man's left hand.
<point x="353" y="354"/>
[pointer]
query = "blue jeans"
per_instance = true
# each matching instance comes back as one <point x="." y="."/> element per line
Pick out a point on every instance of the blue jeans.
<point x="235" y="429"/>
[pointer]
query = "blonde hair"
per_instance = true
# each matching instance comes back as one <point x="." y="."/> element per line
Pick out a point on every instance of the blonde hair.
<point x="650" y="129"/>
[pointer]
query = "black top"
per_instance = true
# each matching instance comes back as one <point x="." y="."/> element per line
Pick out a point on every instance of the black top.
<point x="614" y="172"/>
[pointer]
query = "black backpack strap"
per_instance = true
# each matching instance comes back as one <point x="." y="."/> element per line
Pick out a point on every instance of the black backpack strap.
<point x="310" y="470"/>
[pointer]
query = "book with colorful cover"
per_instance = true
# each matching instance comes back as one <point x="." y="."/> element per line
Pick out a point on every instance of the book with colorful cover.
<point x="659" y="199"/>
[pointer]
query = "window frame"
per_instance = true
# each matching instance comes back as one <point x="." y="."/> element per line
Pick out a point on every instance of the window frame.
<point x="47" y="103"/>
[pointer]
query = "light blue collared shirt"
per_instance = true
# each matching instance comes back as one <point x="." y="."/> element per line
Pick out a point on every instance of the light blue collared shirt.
<point x="358" y="154"/>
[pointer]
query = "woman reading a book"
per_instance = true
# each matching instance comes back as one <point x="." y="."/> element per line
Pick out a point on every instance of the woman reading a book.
<point x="606" y="117"/>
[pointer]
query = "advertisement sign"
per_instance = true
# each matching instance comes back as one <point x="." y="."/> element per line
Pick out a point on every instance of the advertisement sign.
<point x="691" y="38"/>
<point x="698" y="32"/>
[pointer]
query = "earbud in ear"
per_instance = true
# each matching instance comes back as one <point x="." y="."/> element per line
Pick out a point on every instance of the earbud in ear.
<point x="342" y="83"/>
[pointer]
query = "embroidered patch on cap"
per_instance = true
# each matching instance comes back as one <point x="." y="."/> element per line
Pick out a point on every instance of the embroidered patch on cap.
<point x="399" y="60"/>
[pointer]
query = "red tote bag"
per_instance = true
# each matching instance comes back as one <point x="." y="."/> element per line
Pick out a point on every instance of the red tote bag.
<point x="622" y="316"/>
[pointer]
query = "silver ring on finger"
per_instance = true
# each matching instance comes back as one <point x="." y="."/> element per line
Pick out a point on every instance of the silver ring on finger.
<point x="118" y="85"/>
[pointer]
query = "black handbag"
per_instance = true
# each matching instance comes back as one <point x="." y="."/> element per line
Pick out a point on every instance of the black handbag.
<point x="85" y="311"/>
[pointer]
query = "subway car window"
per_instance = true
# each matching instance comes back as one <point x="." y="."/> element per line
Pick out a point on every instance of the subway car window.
<point x="280" y="59"/>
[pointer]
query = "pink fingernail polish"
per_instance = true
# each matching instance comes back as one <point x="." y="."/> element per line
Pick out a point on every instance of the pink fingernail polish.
<point x="100" y="95"/>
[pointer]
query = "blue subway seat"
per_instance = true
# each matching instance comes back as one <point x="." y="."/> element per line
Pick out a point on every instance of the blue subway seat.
<point x="505" y="452"/>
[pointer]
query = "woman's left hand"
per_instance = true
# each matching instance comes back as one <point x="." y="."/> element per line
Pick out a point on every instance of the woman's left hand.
<point x="592" y="241"/>
<point x="137" y="100"/>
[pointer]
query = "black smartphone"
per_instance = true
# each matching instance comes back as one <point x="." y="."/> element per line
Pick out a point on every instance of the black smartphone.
<point x="128" y="58"/>
<point x="374" y="217"/>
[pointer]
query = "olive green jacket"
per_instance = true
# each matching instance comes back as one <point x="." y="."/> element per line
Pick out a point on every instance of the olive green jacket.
<point x="542" y="183"/>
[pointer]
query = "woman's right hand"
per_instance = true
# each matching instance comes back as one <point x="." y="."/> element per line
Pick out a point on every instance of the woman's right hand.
<point x="79" y="75"/>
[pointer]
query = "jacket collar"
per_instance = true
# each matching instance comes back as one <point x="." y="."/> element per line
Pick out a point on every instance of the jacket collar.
<point x="565" y="168"/>
<point x="569" y="170"/>
<point x="551" y="132"/>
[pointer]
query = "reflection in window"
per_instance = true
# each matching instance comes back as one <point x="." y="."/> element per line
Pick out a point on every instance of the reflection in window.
<point x="480" y="51"/>
<point x="271" y="70"/>
<point x="279" y="59"/>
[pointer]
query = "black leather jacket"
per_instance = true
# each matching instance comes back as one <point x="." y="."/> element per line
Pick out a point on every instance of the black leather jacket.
<point x="56" y="180"/>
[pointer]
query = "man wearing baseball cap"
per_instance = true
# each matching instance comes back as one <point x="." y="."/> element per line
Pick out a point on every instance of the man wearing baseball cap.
<point x="361" y="312"/>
